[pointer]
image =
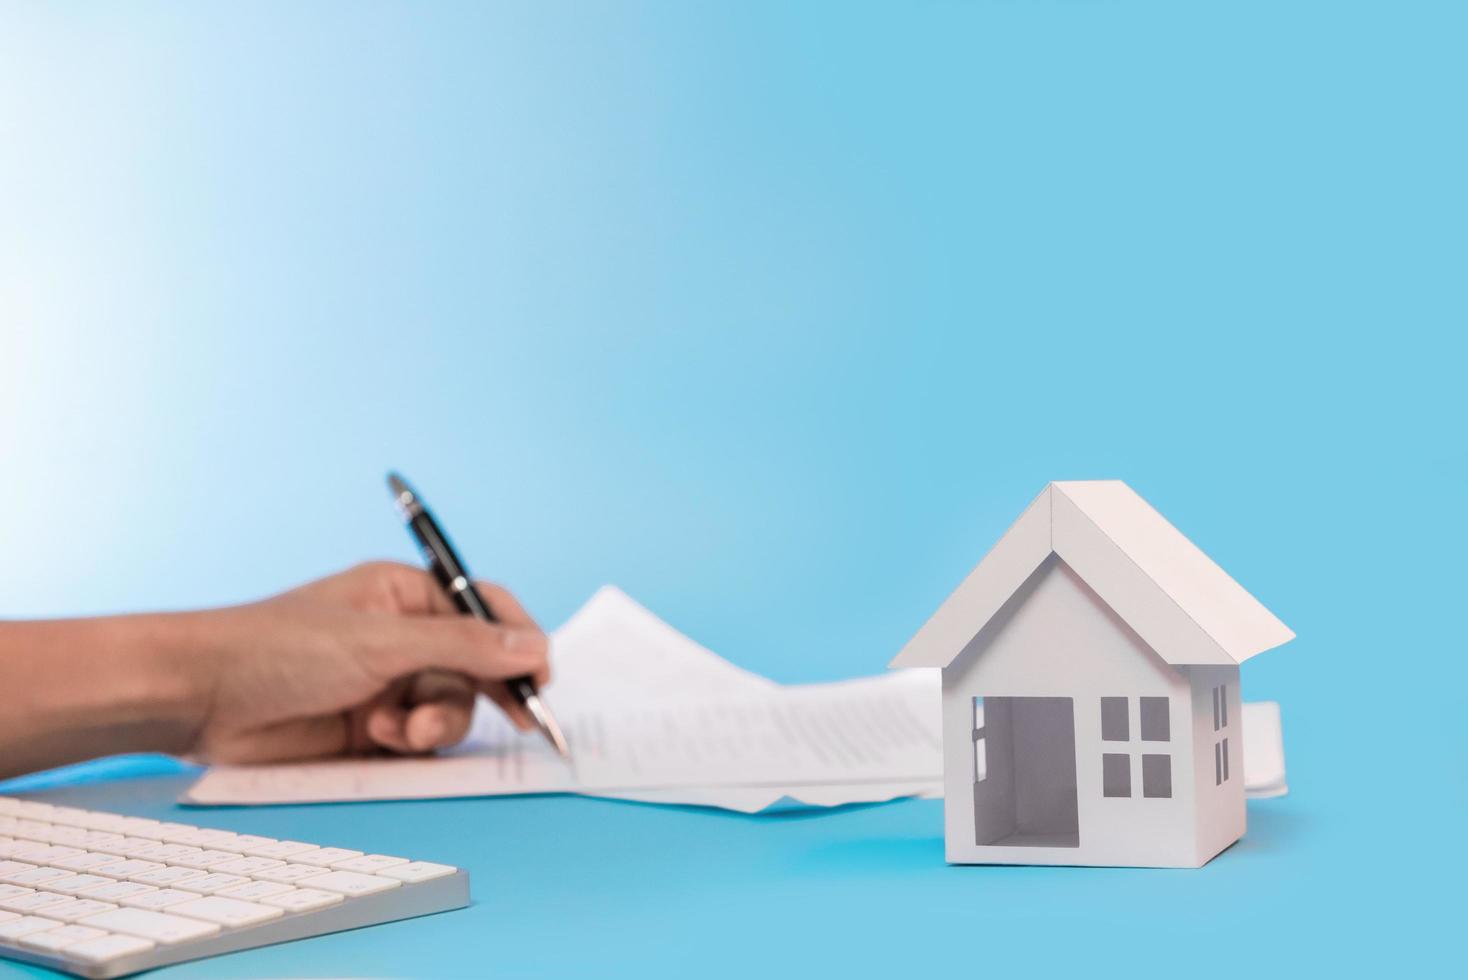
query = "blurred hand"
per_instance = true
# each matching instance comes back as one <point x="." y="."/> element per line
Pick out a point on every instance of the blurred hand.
<point x="375" y="658"/>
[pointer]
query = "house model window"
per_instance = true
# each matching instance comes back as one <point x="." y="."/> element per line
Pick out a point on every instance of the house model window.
<point x="1220" y="724"/>
<point x="1116" y="766"/>
<point x="1090" y="668"/>
<point x="981" y="744"/>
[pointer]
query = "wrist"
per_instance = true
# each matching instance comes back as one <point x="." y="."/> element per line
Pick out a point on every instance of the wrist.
<point x="166" y="679"/>
<point x="101" y="687"/>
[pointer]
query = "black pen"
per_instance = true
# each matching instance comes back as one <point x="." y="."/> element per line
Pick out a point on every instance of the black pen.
<point x="454" y="577"/>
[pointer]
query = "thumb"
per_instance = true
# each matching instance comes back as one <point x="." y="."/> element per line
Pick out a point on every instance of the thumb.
<point x="484" y="651"/>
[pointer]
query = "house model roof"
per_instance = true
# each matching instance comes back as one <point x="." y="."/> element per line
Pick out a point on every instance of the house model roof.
<point x="1182" y="605"/>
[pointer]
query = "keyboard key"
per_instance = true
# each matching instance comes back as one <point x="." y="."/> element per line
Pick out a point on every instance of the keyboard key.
<point x="368" y="863"/>
<point x="30" y="808"/>
<point x="227" y="911"/>
<point x="52" y="940"/>
<point x="89" y="861"/>
<point x="416" y="871"/>
<point x="54" y="852"/>
<point x="157" y="926"/>
<point x="302" y="899"/>
<point x="126" y="869"/>
<point x="66" y="814"/>
<point x="37" y="876"/>
<point x="168" y="876"/>
<point x="113" y="822"/>
<point x="115" y="890"/>
<point x="12" y="867"/>
<point x="77" y="884"/>
<point x="90" y="820"/>
<point x="352" y="883"/>
<point x="140" y="827"/>
<point x="68" y="835"/>
<point x="292" y="872"/>
<point x="255" y="890"/>
<point x="108" y="947"/>
<point x="202" y="837"/>
<point x="25" y="925"/>
<point x="11" y="891"/>
<point x="247" y="865"/>
<point x="137" y="829"/>
<point x="168" y="853"/>
<point x="77" y="908"/>
<point x="243" y="842"/>
<point x="33" y="902"/>
<point x="210" y="883"/>
<point x="282" y="849"/>
<point x="127" y="847"/>
<point x="4" y="916"/>
<point x="164" y="829"/>
<point x="325" y="856"/>
<point x="160" y="898"/>
<point x="32" y="830"/>
<point x="205" y="858"/>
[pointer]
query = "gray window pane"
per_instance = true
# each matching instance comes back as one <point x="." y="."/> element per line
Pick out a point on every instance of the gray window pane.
<point x="1157" y="776"/>
<point x="1215" y="709"/>
<point x="1154" y="720"/>
<point x="1114" y="726"/>
<point x="1217" y="764"/>
<point x="1116" y="774"/>
<point x="1223" y="704"/>
<point x="1225" y="760"/>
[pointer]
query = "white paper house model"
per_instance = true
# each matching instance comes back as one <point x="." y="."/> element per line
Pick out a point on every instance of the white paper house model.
<point x="1091" y="689"/>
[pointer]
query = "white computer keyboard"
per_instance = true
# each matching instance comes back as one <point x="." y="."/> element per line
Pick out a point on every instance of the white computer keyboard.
<point x="103" y="895"/>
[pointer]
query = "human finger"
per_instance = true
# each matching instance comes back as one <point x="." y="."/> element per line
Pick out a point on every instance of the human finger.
<point x="403" y="646"/>
<point x="437" y="725"/>
<point x="503" y="604"/>
<point x="386" y="727"/>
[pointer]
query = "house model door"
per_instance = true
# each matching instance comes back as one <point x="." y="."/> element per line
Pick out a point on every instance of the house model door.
<point x="1025" y="772"/>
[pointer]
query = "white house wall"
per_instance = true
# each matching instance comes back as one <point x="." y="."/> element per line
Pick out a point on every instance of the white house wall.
<point x="1056" y="638"/>
<point x="1221" y="816"/>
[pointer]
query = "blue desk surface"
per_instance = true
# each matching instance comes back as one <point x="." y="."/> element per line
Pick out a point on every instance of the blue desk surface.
<point x="573" y="887"/>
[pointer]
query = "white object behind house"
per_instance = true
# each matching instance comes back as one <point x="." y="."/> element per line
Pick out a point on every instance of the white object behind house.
<point x="1091" y="710"/>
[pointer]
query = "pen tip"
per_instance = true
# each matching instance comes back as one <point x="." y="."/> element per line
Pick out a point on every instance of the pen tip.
<point x="548" y="726"/>
<point x="398" y="485"/>
<point x="402" y="494"/>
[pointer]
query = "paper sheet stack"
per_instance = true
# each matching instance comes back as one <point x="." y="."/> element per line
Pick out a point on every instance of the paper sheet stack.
<point x="652" y="716"/>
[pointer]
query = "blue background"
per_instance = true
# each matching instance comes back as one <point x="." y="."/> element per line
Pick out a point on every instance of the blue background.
<point x="775" y="315"/>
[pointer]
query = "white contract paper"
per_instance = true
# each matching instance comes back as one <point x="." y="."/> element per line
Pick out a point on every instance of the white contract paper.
<point x="653" y="716"/>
